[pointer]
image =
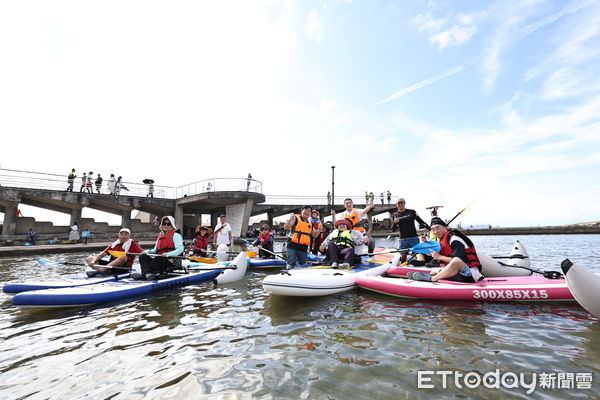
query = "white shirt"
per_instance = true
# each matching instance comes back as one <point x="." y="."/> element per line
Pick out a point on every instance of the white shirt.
<point x="346" y="213"/>
<point x="223" y="235"/>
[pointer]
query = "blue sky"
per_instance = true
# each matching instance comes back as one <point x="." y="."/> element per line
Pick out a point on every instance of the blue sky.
<point x="436" y="101"/>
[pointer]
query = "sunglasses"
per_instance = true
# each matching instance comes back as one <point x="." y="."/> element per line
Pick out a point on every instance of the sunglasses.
<point x="167" y="223"/>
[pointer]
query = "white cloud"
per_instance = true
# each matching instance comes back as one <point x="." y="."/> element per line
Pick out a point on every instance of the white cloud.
<point x="314" y="26"/>
<point x="461" y="29"/>
<point x="423" y="83"/>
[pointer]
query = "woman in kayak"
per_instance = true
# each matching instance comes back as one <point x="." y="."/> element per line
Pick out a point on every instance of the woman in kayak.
<point x="457" y="254"/>
<point x="199" y="244"/>
<point x="264" y="241"/>
<point x="341" y="243"/>
<point x="116" y="265"/>
<point x="168" y="245"/>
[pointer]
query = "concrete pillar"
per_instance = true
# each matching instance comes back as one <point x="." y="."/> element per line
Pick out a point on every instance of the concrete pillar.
<point x="9" y="226"/>
<point x="179" y="218"/>
<point x="75" y="215"/>
<point x="238" y="216"/>
<point x="126" y="219"/>
<point x="270" y="220"/>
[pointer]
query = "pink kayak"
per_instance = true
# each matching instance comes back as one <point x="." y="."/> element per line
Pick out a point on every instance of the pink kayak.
<point x="518" y="288"/>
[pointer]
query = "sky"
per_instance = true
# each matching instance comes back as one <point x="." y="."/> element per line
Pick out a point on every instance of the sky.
<point x="440" y="102"/>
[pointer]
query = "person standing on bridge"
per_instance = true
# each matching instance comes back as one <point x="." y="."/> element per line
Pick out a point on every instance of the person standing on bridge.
<point x="88" y="185"/>
<point x="389" y="197"/>
<point x="111" y="184"/>
<point x="248" y="181"/>
<point x="405" y="219"/>
<point x="83" y="182"/>
<point x="71" y="180"/>
<point x="98" y="183"/>
<point x="381" y="198"/>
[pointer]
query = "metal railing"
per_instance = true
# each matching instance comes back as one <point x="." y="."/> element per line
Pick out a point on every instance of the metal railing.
<point x="43" y="180"/>
<point x="219" y="185"/>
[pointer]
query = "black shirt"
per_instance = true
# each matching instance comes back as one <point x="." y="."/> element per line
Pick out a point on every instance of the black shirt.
<point x="406" y="225"/>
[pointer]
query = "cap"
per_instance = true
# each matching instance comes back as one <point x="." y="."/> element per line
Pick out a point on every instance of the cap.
<point x="400" y="200"/>
<point x="125" y="230"/>
<point x="343" y="221"/>
<point x="437" y="221"/>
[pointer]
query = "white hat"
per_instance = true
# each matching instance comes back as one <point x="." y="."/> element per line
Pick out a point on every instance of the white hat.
<point x="125" y="230"/>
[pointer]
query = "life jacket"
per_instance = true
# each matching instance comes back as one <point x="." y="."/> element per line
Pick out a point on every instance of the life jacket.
<point x="264" y="238"/>
<point x="446" y="250"/>
<point x="201" y="243"/>
<point x="343" y="238"/>
<point x="71" y="177"/>
<point x="301" y="232"/>
<point x="357" y="223"/>
<point x="119" y="247"/>
<point x="165" y="242"/>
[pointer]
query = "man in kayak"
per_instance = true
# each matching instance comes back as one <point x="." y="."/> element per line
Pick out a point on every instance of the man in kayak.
<point x="341" y="243"/>
<point x="355" y="216"/>
<point x="115" y="265"/>
<point x="458" y="255"/>
<point x="405" y="219"/>
<point x="301" y="235"/>
<point x="168" y="245"/>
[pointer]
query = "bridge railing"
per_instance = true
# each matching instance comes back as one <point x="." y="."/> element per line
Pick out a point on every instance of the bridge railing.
<point x="359" y="200"/>
<point x="219" y="185"/>
<point x="49" y="181"/>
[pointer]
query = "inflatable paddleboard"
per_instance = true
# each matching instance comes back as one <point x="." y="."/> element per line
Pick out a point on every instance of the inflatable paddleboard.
<point x="321" y="280"/>
<point x="72" y="281"/>
<point x="584" y="285"/>
<point x="108" y="291"/>
<point x="521" y="288"/>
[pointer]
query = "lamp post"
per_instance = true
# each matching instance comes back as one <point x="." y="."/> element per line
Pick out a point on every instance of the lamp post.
<point x="332" y="186"/>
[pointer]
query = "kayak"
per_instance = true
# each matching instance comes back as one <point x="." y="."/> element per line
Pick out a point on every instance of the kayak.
<point x="519" y="288"/>
<point x="584" y="285"/>
<point x="109" y="291"/>
<point x="113" y="290"/>
<point x="518" y="265"/>
<point x="71" y="281"/>
<point x="322" y="280"/>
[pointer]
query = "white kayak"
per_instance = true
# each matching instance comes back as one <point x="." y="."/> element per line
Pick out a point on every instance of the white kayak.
<point x="584" y="285"/>
<point x="322" y="280"/>
<point x="233" y="275"/>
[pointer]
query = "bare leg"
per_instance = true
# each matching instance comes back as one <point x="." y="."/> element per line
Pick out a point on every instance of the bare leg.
<point x="454" y="267"/>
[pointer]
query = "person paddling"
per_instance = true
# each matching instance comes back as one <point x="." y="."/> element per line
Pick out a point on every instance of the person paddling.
<point x="115" y="265"/>
<point x="264" y="241"/>
<point x="199" y="244"/>
<point x="168" y="244"/>
<point x="341" y="243"/>
<point x="457" y="255"/>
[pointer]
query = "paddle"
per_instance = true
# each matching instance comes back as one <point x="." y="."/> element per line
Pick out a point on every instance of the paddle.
<point x="44" y="261"/>
<point x="461" y="211"/>
<point x="519" y="256"/>
<point x="421" y="248"/>
<point x="270" y="252"/>
<point x="116" y="253"/>
<point x="545" y="274"/>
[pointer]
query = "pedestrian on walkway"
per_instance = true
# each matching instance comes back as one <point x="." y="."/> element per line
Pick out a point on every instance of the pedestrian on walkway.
<point x="74" y="232"/>
<point x="89" y="183"/>
<point x="248" y="181"/>
<point x="71" y="180"/>
<point x="372" y="196"/>
<point x="118" y="185"/>
<point x="150" y="190"/>
<point x="83" y="182"/>
<point x="328" y="198"/>
<point x="381" y="198"/>
<point x="366" y="197"/>
<point x="98" y="183"/>
<point x="389" y="197"/>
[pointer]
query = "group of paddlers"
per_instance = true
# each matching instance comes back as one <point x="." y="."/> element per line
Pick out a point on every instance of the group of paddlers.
<point x="343" y="246"/>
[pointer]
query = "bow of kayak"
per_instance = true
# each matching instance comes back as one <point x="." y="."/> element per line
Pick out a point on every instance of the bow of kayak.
<point x="584" y="285"/>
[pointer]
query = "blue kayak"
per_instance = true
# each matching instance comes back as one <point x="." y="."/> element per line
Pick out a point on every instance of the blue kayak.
<point x="72" y="281"/>
<point x="108" y="291"/>
<point x="265" y="262"/>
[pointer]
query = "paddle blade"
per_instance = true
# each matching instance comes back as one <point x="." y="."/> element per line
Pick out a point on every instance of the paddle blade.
<point x="427" y="247"/>
<point x="203" y="260"/>
<point x="251" y="254"/>
<point x="43" y="261"/>
<point x="116" y="253"/>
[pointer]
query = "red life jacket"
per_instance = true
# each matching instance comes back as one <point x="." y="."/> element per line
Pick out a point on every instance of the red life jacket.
<point x="165" y="242"/>
<point x="201" y="243"/>
<point x="119" y="247"/>
<point x="264" y="239"/>
<point x="446" y="250"/>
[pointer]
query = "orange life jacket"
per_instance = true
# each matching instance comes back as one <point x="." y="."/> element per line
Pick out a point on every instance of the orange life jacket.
<point x="357" y="223"/>
<point x="301" y="232"/>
